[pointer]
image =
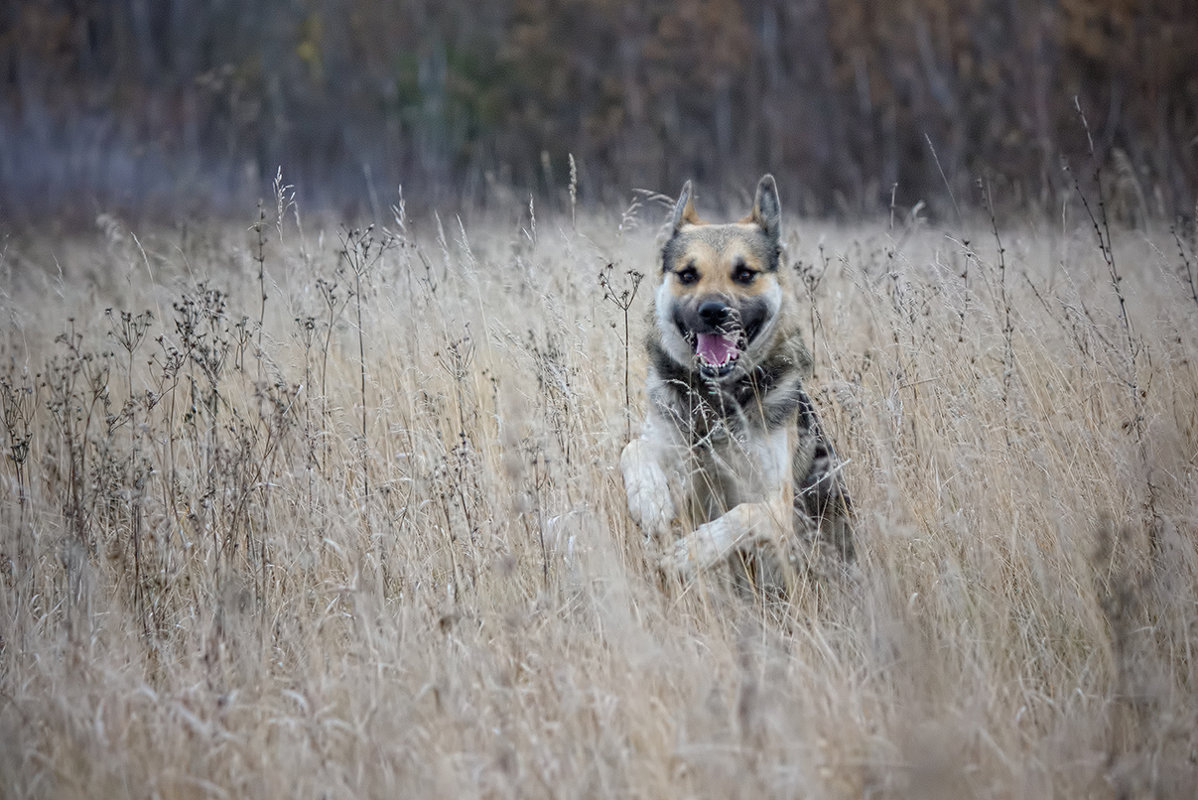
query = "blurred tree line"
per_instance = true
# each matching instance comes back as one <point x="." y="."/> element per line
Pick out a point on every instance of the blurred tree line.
<point x="147" y="101"/>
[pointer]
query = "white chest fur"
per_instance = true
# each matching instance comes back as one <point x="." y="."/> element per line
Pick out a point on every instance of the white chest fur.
<point x="713" y="477"/>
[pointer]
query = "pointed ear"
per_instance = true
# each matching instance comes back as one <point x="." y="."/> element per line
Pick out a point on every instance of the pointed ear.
<point x="684" y="209"/>
<point x="767" y="210"/>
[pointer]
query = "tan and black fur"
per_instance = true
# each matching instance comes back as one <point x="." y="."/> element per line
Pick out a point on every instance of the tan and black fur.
<point x="732" y="463"/>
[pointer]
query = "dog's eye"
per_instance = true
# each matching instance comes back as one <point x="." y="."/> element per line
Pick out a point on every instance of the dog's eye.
<point x="743" y="274"/>
<point x="687" y="275"/>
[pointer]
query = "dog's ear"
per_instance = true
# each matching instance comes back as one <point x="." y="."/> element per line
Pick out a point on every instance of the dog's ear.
<point x="767" y="210"/>
<point x="684" y="209"/>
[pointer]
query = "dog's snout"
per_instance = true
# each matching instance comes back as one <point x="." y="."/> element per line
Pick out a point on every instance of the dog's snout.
<point x="713" y="312"/>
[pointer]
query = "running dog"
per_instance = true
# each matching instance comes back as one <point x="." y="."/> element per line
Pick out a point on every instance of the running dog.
<point x="732" y="464"/>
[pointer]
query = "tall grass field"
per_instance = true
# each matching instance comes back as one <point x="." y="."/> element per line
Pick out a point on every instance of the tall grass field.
<point x="292" y="509"/>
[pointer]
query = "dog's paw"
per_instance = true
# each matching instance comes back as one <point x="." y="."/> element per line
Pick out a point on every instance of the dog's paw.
<point x="680" y="559"/>
<point x="648" y="490"/>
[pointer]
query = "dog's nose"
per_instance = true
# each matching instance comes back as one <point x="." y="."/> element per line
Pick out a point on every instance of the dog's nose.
<point x="713" y="312"/>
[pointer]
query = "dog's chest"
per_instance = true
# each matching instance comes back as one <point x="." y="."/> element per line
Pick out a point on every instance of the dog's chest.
<point x="723" y="473"/>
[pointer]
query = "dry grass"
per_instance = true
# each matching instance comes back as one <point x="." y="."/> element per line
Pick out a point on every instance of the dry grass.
<point x="365" y="537"/>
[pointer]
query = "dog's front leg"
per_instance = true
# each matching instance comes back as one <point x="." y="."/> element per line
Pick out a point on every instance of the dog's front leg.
<point x="712" y="542"/>
<point x="648" y="489"/>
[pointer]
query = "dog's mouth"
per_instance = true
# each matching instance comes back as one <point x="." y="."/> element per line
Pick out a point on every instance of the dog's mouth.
<point x="718" y="348"/>
<point x="716" y="352"/>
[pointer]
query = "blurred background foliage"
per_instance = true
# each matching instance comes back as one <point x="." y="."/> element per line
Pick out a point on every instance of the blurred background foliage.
<point x="140" y="103"/>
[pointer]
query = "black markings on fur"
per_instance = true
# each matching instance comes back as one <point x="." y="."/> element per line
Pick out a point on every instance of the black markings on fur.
<point x="821" y="494"/>
<point x="701" y="409"/>
<point x="764" y="398"/>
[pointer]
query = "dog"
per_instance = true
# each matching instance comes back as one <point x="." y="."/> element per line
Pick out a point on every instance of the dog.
<point x="732" y="464"/>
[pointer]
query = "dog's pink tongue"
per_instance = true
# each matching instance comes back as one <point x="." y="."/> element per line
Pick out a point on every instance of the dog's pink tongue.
<point x="715" y="349"/>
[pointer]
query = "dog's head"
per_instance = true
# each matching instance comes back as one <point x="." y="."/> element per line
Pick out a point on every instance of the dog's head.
<point x="718" y="303"/>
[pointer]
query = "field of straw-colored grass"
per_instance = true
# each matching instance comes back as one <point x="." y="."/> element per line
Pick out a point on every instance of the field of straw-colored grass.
<point x="315" y="512"/>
